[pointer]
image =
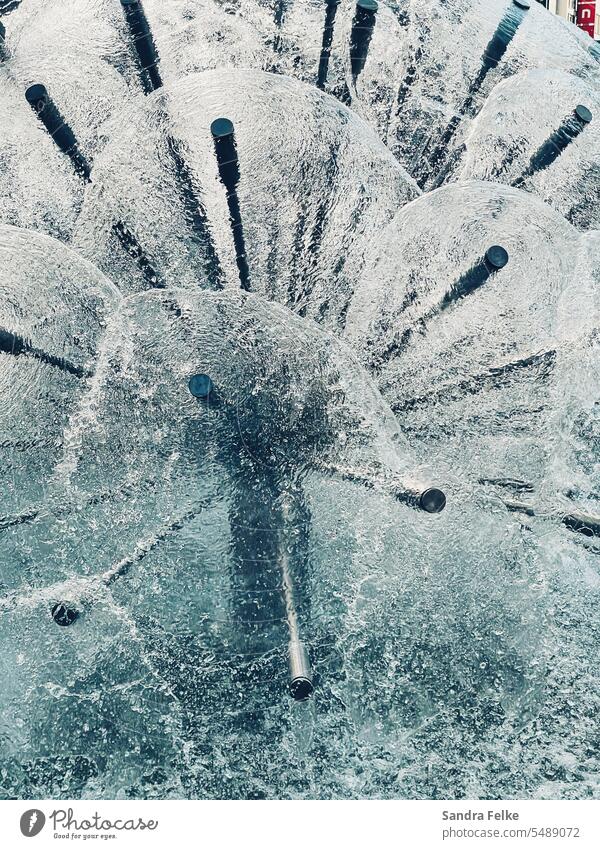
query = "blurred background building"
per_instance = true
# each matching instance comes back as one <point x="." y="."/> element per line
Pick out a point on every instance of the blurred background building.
<point x="584" y="13"/>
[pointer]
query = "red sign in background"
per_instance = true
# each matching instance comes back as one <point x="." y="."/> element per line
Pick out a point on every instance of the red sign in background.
<point x="586" y="16"/>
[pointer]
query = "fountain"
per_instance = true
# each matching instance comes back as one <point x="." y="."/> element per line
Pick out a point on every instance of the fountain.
<point x="330" y="184"/>
<point x="299" y="351"/>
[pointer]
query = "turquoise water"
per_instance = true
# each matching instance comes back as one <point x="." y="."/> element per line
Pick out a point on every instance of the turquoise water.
<point x="160" y="548"/>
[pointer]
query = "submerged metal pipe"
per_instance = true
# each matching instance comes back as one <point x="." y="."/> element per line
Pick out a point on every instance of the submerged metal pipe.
<point x="278" y="20"/>
<point x="301" y="678"/>
<point x="195" y="212"/>
<point x="143" y="43"/>
<point x="66" y="613"/>
<point x="560" y="139"/>
<point x="15" y="345"/>
<point x="495" y="258"/>
<point x="331" y="7"/>
<point x="44" y="107"/>
<point x="146" y="546"/>
<point x="2" y="42"/>
<point x="148" y="60"/>
<point x="502" y="37"/>
<point x="581" y="523"/>
<point x="222" y="130"/>
<point x="133" y="248"/>
<point x="31" y="515"/>
<point x="430" y="499"/>
<point x="40" y="101"/>
<point x="493" y="377"/>
<point x="361" y="34"/>
<point x="409" y="78"/>
<point x="269" y="545"/>
<point x="492" y="56"/>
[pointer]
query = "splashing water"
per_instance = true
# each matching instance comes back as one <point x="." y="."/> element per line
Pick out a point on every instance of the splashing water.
<point x="258" y="329"/>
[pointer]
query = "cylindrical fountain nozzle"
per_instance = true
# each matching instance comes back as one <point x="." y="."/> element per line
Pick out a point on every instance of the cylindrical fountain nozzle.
<point x="439" y="161"/>
<point x="330" y="13"/>
<point x="221" y="127"/>
<point x="63" y="614"/>
<point x="432" y="500"/>
<point x="572" y="126"/>
<point x="223" y="134"/>
<point x="200" y="385"/>
<point x="63" y="136"/>
<point x="143" y="42"/>
<point x="16" y="346"/>
<point x="495" y="259"/>
<point x="42" y="104"/>
<point x="582" y="523"/>
<point x="583" y="114"/>
<point x="360" y="36"/>
<point x="301" y="680"/>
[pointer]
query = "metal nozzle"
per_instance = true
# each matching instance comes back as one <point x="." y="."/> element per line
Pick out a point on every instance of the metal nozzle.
<point x="433" y="500"/>
<point x="16" y="346"/>
<point x="573" y="125"/>
<point x="301" y="681"/>
<point x="330" y="13"/>
<point x="495" y="259"/>
<point x="143" y="43"/>
<point x="360" y="36"/>
<point x="581" y="523"/>
<point x="223" y="133"/>
<point x="200" y="385"/>
<point x="63" y="614"/>
<point x="63" y="136"/>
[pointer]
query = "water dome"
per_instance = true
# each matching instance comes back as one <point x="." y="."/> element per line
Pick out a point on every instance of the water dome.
<point x="300" y="431"/>
<point x="537" y="132"/>
<point x="442" y="89"/>
<point x="176" y="592"/>
<point x="462" y="349"/>
<point x="313" y="181"/>
<point x="55" y="309"/>
<point x="39" y="191"/>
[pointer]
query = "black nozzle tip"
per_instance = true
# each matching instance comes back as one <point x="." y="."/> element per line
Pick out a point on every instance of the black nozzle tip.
<point x="221" y="128"/>
<point x="301" y="688"/>
<point x="64" y="615"/>
<point x="522" y="4"/>
<point x="200" y="385"/>
<point x="497" y="256"/>
<point x="583" y="113"/>
<point x="368" y="5"/>
<point x="36" y="93"/>
<point x="433" y="500"/>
